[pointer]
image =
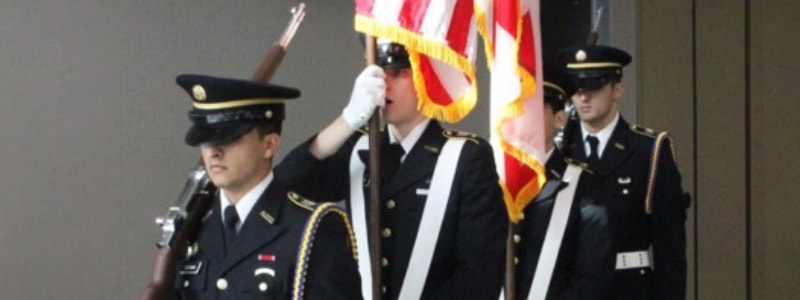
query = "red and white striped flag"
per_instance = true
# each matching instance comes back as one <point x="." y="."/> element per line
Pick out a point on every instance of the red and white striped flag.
<point x="440" y="38"/>
<point x="511" y="33"/>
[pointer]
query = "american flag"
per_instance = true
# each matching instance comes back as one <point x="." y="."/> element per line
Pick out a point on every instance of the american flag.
<point x="441" y="40"/>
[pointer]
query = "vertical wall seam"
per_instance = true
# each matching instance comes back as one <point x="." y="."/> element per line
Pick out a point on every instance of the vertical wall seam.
<point x="694" y="150"/>
<point x="748" y="155"/>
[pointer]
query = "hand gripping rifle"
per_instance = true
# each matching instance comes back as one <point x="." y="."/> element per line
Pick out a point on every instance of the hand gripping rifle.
<point x="180" y="224"/>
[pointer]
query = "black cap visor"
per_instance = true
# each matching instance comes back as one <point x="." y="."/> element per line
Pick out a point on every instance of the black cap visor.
<point x="218" y="135"/>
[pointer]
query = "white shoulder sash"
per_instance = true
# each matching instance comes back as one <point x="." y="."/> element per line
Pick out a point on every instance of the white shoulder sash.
<point x="554" y="235"/>
<point x="429" y="227"/>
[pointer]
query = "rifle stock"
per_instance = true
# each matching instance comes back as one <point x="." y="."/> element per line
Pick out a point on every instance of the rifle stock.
<point x="270" y="63"/>
<point x="161" y="284"/>
<point x="182" y="221"/>
<point x="591" y="40"/>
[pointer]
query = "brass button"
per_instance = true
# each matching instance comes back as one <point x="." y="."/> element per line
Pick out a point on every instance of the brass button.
<point x="624" y="191"/>
<point x="185" y="283"/>
<point x="222" y="284"/>
<point x="383" y="289"/>
<point x="384" y="262"/>
<point x="517" y="238"/>
<point x="390" y="204"/>
<point x="516" y="260"/>
<point x="263" y="286"/>
<point x="386" y="232"/>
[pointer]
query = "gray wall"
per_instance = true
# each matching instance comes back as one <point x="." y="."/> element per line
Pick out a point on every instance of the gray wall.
<point x="720" y="75"/>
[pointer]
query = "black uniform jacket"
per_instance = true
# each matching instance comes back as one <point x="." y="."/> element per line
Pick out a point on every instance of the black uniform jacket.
<point x="468" y="262"/>
<point x="261" y="264"/>
<point x="584" y="265"/>
<point x="624" y="167"/>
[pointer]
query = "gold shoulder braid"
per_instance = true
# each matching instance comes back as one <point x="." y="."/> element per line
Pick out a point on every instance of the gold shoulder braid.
<point x="300" y="201"/>
<point x="307" y="244"/>
<point x="651" y="177"/>
<point x="460" y="134"/>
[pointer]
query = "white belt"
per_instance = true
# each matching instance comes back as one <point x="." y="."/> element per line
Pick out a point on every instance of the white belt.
<point x="633" y="260"/>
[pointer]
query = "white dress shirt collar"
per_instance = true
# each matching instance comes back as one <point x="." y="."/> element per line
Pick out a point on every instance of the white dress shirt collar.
<point x="602" y="136"/>
<point x="245" y="205"/>
<point x="410" y="139"/>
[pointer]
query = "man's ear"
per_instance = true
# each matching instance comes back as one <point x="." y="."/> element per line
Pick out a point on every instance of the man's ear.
<point x="560" y="119"/>
<point x="619" y="89"/>
<point x="271" y="143"/>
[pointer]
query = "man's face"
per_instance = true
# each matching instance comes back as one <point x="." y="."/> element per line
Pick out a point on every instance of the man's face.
<point x="597" y="108"/>
<point x="401" y="99"/>
<point x="241" y="164"/>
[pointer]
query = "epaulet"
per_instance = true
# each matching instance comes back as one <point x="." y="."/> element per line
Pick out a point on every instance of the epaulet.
<point x="300" y="201"/>
<point x="448" y="133"/>
<point x="644" y="131"/>
<point x="580" y="164"/>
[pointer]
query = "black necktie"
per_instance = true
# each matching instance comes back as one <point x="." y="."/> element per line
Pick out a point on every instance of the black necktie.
<point x="593" y="142"/>
<point x="231" y="220"/>
<point x="394" y="153"/>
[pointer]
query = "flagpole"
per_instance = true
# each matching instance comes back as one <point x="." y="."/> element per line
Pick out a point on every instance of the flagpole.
<point x="511" y="255"/>
<point x="374" y="186"/>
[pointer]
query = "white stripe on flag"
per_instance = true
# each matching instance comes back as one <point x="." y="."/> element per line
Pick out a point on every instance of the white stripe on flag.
<point x="387" y="10"/>
<point x="436" y="24"/>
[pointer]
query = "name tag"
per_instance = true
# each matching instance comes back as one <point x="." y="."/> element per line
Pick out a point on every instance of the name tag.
<point x="422" y="192"/>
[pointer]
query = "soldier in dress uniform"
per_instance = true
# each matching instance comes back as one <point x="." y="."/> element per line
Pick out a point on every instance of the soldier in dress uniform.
<point x="557" y="89"/>
<point x="458" y="253"/>
<point x="580" y="262"/>
<point x="641" y="181"/>
<point x="259" y="240"/>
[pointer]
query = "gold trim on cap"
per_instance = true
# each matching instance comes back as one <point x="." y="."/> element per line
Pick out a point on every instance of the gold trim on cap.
<point x="237" y="103"/>
<point x="199" y="92"/>
<point x="593" y="65"/>
<point x="555" y="86"/>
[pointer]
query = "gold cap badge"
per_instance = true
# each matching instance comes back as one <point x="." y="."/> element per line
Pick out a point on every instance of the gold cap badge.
<point x="199" y="92"/>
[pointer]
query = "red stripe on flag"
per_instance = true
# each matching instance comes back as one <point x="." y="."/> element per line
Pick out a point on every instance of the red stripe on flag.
<point x="517" y="174"/>
<point x="413" y="13"/>
<point x="364" y="7"/>
<point x="506" y="16"/>
<point x="457" y="38"/>
<point x="527" y="53"/>
<point x="433" y="85"/>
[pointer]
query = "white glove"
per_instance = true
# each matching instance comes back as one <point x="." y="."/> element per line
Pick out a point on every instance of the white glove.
<point x="368" y="94"/>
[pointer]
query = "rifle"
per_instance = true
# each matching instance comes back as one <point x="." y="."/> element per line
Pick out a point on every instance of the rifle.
<point x="591" y="40"/>
<point x="180" y="224"/>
